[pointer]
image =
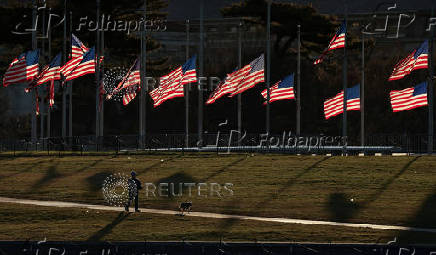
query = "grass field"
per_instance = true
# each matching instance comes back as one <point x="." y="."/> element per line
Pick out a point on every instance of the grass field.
<point x="384" y="190"/>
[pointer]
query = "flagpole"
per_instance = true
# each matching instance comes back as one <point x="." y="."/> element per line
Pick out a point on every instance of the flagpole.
<point x="239" y="67"/>
<point x="34" y="46"/>
<point x="298" y="129"/>
<point x="201" y="73"/>
<point x="268" y="65"/>
<point x="48" y="93"/>
<point x="70" y="84"/>
<point x="101" y="104"/>
<point x="41" y="115"/>
<point x="97" y="74"/>
<point x="187" y="89"/>
<point x="362" y="96"/>
<point x="144" y="85"/>
<point x="64" y="60"/>
<point x="430" y="92"/>
<point x="345" y="66"/>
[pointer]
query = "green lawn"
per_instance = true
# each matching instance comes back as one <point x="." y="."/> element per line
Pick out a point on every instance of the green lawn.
<point x="19" y="222"/>
<point x="385" y="190"/>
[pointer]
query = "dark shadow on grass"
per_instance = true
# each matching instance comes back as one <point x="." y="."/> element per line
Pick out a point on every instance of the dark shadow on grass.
<point x="341" y="208"/>
<point x="108" y="228"/>
<point x="96" y="181"/>
<point x="49" y="176"/>
<point x="175" y="181"/>
<point x="265" y="203"/>
<point x="424" y="218"/>
<point x="388" y="182"/>
<point x="33" y="165"/>
<point x="223" y="169"/>
<point x="292" y="181"/>
<point x="88" y="167"/>
<point x="144" y="170"/>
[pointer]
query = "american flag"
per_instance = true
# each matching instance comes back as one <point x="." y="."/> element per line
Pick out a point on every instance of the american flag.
<point x="281" y="90"/>
<point x="224" y="88"/>
<point x="337" y="42"/>
<point x="52" y="72"/>
<point x="133" y="77"/>
<point x="249" y="76"/>
<point x="77" y="47"/>
<point x="418" y="59"/>
<point x="85" y="66"/>
<point x="130" y="94"/>
<point x="171" y="85"/>
<point x="23" y="68"/>
<point x="335" y="105"/>
<point x="410" y="98"/>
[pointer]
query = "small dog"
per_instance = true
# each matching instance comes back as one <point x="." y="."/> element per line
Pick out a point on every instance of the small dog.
<point x="185" y="207"/>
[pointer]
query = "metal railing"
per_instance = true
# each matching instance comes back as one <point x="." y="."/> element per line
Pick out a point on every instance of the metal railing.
<point x="220" y="142"/>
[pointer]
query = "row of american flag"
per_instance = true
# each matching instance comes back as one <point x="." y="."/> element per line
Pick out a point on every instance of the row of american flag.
<point x="82" y="61"/>
<point x="401" y="100"/>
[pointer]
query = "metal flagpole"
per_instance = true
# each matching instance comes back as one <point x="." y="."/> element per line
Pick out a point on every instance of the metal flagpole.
<point x="344" y="115"/>
<point x="362" y="96"/>
<point x="48" y="93"/>
<point x="64" y="60"/>
<point x="201" y="73"/>
<point x="144" y="85"/>
<point x="268" y="65"/>
<point x="100" y="98"/>
<point x="187" y="90"/>
<point x="97" y="74"/>
<point x="298" y="82"/>
<point x="42" y="108"/>
<point x="239" y="67"/>
<point x="70" y="84"/>
<point x="34" y="45"/>
<point x="430" y="92"/>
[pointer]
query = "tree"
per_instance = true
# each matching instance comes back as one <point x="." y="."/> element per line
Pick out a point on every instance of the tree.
<point x="285" y="17"/>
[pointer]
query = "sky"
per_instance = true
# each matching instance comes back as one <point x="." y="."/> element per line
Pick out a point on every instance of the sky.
<point x="189" y="9"/>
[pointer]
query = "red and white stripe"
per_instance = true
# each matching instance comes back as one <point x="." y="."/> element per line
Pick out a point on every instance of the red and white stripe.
<point x="50" y="74"/>
<point x="82" y="69"/>
<point x="78" y="51"/>
<point x="249" y="81"/>
<point x="277" y="93"/>
<point x="70" y="66"/>
<point x="129" y="96"/>
<point x="133" y="79"/>
<point x="407" y="65"/>
<point x="335" y="106"/>
<point x="337" y="42"/>
<point x="19" y="72"/>
<point x="189" y="77"/>
<point x="403" y="100"/>
<point x="229" y="85"/>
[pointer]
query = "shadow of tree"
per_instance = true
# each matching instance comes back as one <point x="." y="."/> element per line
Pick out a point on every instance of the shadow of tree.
<point x="340" y="207"/>
<point x="388" y="182"/>
<point x="33" y="165"/>
<point x="108" y="228"/>
<point x="424" y="218"/>
<point x="88" y="166"/>
<point x="95" y="181"/>
<point x="223" y="169"/>
<point x="176" y="183"/>
<point x="227" y="224"/>
<point x="49" y="176"/>
<point x="144" y="170"/>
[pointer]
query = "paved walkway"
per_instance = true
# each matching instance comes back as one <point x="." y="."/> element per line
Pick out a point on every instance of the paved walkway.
<point x="213" y="215"/>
